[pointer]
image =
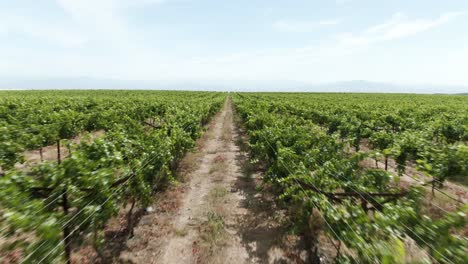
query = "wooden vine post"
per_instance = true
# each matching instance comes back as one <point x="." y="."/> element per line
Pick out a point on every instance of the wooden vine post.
<point x="41" y="153"/>
<point x="130" y="219"/>
<point x="65" y="208"/>
<point x="59" y="159"/>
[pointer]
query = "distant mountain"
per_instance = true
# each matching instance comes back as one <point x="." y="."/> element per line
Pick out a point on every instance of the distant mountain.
<point x="379" y="87"/>
<point x="360" y="86"/>
<point x="95" y="83"/>
<point x="356" y="86"/>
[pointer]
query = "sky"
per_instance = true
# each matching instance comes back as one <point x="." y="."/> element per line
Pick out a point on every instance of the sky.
<point x="242" y="41"/>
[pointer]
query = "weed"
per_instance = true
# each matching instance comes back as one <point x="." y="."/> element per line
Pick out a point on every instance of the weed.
<point x="180" y="232"/>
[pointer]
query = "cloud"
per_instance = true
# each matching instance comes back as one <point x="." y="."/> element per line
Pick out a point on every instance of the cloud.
<point x="340" y="2"/>
<point x="116" y="48"/>
<point x="103" y="16"/>
<point x="140" y="2"/>
<point x="322" y="60"/>
<point x="3" y="28"/>
<point x="399" y="26"/>
<point x="51" y="33"/>
<point x="107" y="26"/>
<point x="303" y="26"/>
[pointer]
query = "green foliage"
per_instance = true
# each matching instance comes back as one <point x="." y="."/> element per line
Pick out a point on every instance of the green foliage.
<point x="129" y="163"/>
<point x="301" y="139"/>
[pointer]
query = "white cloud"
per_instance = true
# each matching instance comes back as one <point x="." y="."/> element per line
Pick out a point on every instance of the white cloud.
<point x="3" y="28"/>
<point x="327" y="60"/>
<point x="102" y="16"/>
<point x="140" y="2"/>
<point x="399" y="26"/>
<point x="340" y="2"/>
<point x="55" y="34"/>
<point x="107" y="26"/>
<point x="117" y="49"/>
<point x="303" y="26"/>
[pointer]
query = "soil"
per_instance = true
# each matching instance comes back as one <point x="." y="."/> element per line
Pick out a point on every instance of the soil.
<point x="412" y="176"/>
<point x="216" y="214"/>
<point x="448" y="198"/>
<point x="219" y="211"/>
<point x="49" y="153"/>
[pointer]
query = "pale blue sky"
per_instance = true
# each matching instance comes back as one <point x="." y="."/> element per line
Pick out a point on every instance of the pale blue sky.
<point x="397" y="41"/>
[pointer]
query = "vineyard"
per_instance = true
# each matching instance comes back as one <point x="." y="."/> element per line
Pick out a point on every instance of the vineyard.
<point x="310" y="146"/>
<point x="49" y="208"/>
<point x="364" y="176"/>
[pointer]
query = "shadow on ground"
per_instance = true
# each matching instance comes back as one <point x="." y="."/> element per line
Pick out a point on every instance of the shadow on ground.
<point x="264" y="230"/>
<point x="116" y="240"/>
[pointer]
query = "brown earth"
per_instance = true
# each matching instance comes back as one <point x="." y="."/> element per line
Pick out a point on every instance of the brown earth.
<point x="216" y="215"/>
<point x="412" y="176"/>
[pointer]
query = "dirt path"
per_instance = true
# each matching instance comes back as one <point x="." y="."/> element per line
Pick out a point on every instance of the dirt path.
<point x="221" y="218"/>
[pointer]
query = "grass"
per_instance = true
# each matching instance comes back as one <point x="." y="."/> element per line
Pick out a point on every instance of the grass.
<point x="190" y="162"/>
<point x="460" y="179"/>
<point x="214" y="235"/>
<point x="180" y="232"/>
<point x="215" y="168"/>
<point x="226" y="133"/>
<point x="439" y="200"/>
<point x="217" y="195"/>
<point x="218" y="164"/>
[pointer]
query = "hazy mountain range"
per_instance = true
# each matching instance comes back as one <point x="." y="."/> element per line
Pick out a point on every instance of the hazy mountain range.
<point x="276" y="86"/>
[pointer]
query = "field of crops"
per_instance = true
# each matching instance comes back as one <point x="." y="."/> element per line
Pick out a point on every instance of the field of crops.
<point x="309" y="145"/>
<point x="50" y="207"/>
<point x="366" y="171"/>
